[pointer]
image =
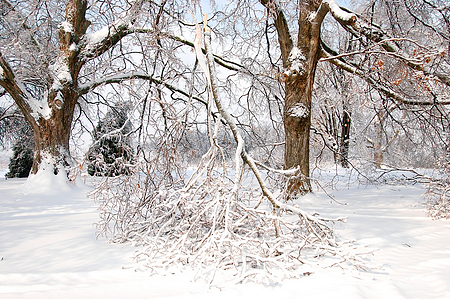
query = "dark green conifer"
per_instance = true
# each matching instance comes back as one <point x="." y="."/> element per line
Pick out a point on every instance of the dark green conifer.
<point x="22" y="160"/>
<point x="111" y="153"/>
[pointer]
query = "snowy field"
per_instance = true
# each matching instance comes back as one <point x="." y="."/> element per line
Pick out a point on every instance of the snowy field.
<point x="48" y="249"/>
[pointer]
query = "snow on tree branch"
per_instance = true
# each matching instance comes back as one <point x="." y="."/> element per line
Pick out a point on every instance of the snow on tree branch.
<point x="61" y="73"/>
<point x="118" y="78"/>
<point x="95" y="44"/>
<point x="340" y="15"/>
<point x="214" y="221"/>
<point x="337" y="60"/>
<point x="20" y="94"/>
<point x="359" y="27"/>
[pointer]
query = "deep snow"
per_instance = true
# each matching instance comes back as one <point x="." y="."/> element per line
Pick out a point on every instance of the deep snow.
<point x="48" y="249"/>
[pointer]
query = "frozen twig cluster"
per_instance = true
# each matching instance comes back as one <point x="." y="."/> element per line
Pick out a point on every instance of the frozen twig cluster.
<point x="212" y="219"/>
<point x="205" y="226"/>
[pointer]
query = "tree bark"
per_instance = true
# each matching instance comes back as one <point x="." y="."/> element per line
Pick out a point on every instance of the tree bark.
<point x="51" y="116"/>
<point x="300" y="62"/>
<point x="51" y="138"/>
<point x="345" y="137"/>
<point x="51" y="129"/>
<point x="297" y="133"/>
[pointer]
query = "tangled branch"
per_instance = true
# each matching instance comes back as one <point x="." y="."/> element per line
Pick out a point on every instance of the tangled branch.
<point x="213" y="219"/>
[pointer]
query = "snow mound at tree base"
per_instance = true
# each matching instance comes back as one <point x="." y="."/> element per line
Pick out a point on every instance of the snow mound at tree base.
<point x="45" y="183"/>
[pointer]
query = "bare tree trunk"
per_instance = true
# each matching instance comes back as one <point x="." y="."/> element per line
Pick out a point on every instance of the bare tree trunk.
<point x="345" y="137"/>
<point x="345" y="120"/>
<point x="378" y="143"/>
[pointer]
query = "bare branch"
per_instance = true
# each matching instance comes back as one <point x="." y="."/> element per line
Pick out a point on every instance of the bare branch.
<point x="85" y="88"/>
<point x="228" y="64"/>
<point x="444" y="35"/>
<point x="284" y="35"/>
<point x="24" y="26"/>
<point x="359" y="27"/>
<point x="95" y="44"/>
<point x="9" y="113"/>
<point x="373" y="82"/>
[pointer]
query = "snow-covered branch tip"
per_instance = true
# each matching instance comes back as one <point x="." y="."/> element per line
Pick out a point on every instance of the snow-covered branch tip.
<point x="339" y="14"/>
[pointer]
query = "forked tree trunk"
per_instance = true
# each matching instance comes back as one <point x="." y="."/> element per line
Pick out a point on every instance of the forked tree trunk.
<point x="300" y="62"/>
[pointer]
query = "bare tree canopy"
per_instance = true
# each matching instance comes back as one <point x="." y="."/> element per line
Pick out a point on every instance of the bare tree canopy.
<point x="53" y="58"/>
<point x="212" y="105"/>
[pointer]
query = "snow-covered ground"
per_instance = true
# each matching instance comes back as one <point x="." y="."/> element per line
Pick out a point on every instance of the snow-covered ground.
<point x="48" y="249"/>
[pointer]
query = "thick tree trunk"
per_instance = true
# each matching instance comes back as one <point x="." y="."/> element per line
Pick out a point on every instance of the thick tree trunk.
<point x="297" y="124"/>
<point x="301" y="66"/>
<point x="51" y="116"/>
<point x="52" y="129"/>
<point x="300" y="62"/>
<point x="51" y="138"/>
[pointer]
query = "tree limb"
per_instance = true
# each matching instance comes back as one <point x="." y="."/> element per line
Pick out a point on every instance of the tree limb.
<point x="341" y="63"/>
<point x="85" y="88"/>
<point x="284" y="35"/>
<point x="14" y="87"/>
<point x="359" y="27"/>
<point x="228" y="64"/>
<point x="95" y="44"/>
